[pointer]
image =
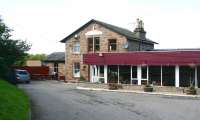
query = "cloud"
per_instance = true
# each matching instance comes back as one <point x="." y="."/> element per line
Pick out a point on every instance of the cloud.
<point x="44" y="23"/>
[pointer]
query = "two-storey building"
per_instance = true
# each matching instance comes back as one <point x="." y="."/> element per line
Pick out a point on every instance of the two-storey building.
<point x="101" y="52"/>
<point x="99" y="37"/>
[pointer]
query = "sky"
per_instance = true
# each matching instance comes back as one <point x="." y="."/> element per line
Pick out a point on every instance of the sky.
<point x="43" y="23"/>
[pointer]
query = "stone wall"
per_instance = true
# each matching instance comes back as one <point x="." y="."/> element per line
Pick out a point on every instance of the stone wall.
<point x="61" y="68"/>
<point x="106" y="35"/>
<point x="72" y="57"/>
<point x="163" y="89"/>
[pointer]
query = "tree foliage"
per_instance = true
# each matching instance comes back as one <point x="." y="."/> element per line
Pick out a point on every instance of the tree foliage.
<point x="22" y="62"/>
<point x="36" y="56"/>
<point x="11" y="51"/>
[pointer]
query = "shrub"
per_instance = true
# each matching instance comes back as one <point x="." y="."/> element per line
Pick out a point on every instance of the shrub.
<point x="101" y="80"/>
<point x="148" y="88"/>
<point x="114" y="86"/>
<point x="82" y="78"/>
<point x="191" y="91"/>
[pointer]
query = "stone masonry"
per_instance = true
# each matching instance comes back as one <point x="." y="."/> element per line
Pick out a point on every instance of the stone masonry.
<point x="74" y="57"/>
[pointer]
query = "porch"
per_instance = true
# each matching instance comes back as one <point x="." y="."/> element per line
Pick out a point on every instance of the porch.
<point x="158" y="75"/>
<point x="162" y="68"/>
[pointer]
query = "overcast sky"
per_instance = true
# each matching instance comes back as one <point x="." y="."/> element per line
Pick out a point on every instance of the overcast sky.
<point x="43" y="23"/>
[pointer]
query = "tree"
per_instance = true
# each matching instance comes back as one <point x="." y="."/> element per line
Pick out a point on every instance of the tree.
<point x="36" y="56"/>
<point x="11" y="51"/>
<point x="40" y="57"/>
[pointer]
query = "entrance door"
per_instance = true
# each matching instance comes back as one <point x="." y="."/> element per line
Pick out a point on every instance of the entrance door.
<point x="97" y="73"/>
<point x="56" y="70"/>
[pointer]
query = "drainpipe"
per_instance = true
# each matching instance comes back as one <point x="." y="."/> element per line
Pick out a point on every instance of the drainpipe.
<point x="65" y="63"/>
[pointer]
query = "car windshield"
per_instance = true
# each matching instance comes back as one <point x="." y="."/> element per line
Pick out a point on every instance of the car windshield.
<point x="22" y="72"/>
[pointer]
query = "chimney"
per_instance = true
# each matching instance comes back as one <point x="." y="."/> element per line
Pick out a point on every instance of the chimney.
<point x="139" y="30"/>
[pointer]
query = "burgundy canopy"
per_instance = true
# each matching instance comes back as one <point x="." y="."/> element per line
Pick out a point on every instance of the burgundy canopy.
<point x="144" y="58"/>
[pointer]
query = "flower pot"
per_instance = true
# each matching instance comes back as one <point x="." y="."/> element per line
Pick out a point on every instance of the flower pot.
<point x="148" y="89"/>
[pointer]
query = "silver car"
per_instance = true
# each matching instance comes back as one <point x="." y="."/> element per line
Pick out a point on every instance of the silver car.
<point x="22" y="76"/>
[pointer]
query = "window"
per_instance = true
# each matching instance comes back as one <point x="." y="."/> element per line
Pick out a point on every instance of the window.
<point x="76" y="47"/>
<point x="144" y="72"/>
<point x="90" y="44"/>
<point x="134" y="72"/>
<point x="101" y="71"/>
<point x="96" y="44"/>
<point x="76" y="69"/>
<point x="56" y="67"/>
<point x="112" y="45"/>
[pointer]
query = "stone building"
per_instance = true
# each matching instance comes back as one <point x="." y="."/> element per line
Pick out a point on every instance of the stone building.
<point x="98" y="37"/>
<point x="33" y="63"/>
<point x="101" y="52"/>
<point x="56" y="63"/>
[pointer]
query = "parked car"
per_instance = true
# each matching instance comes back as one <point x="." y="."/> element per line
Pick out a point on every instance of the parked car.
<point x="22" y="76"/>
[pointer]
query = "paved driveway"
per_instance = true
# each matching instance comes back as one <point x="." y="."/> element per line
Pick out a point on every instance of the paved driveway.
<point x="52" y="100"/>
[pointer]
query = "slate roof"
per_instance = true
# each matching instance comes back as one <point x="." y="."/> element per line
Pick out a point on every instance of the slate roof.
<point x="125" y="32"/>
<point x="55" y="57"/>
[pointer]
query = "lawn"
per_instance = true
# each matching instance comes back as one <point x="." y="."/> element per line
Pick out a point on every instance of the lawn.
<point x="14" y="103"/>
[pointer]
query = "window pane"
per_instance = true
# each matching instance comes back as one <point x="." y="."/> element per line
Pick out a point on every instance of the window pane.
<point x="76" y="70"/>
<point x="112" y="73"/>
<point x="144" y="72"/>
<point x="90" y="44"/>
<point x="112" y="45"/>
<point x="97" y="44"/>
<point x="134" y="71"/>
<point x="76" y="47"/>
<point x="101" y="71"/>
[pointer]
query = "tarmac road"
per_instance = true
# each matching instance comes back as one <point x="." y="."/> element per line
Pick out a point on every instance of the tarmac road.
<point x="52" y="100"/>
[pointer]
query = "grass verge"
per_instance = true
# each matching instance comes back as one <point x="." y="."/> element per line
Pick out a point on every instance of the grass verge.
<point x="14" y="103"/>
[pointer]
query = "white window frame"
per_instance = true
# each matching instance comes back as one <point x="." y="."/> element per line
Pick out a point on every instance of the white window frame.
<point x="76" y="47"/>
<point x="76" y="71"/>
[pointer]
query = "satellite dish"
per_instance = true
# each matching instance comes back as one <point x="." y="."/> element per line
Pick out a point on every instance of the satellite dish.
<point x="125" y="45"/>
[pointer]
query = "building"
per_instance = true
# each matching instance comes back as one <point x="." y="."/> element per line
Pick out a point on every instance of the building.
<point x="102" y="52"/>
<point x="56" y="63"/>
<point x="33" y="63"/>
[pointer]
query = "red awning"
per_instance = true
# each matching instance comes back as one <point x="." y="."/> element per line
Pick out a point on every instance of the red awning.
<point x="144" y="58"/>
